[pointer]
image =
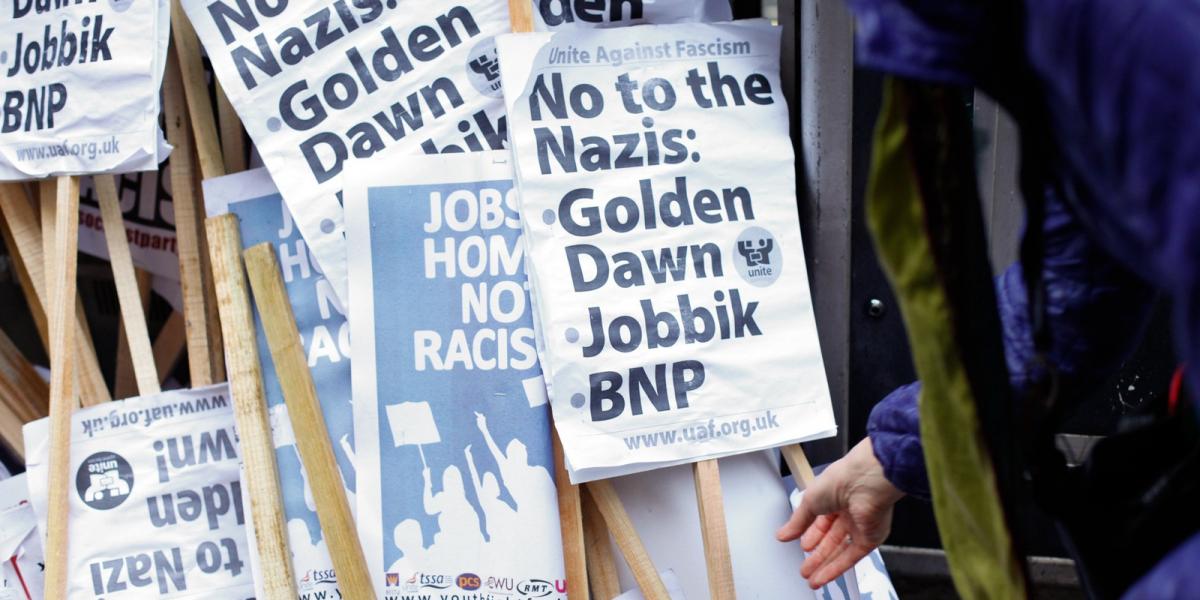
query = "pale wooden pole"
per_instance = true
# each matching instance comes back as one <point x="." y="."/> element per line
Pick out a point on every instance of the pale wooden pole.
<point x="125" y="382"/>
<point x="187" y="229"/>
<point x="233" y="145"/>
<point x="713" y="531"/>
<point x="133" y="314"/>
<point x="570" y="523"/>
<point x="626" y="537"/>
<point x="308" y="423"/>
<point x="797" y="463"/>
<point x="602" y="568"/>
<point x="261" y="476"/>
<point x="62" y="394"/>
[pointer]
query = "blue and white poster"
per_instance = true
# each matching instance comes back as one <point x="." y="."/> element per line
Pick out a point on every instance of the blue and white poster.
<point x="455" y="478"/>
<point x="321" y="319"/>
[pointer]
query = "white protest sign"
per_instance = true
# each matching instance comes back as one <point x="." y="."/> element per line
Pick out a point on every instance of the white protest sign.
<point x="659" y="206"/>
<point x="455" y="468"/>
<point x="21" y="563"/>
<point x="557" y="14"/>
<point x="325" y="336"/>
<point x="162" y="471"/>
<point x="80" y="84"/>
<point x="149" y="221"/>
<point x="319" y="83"/>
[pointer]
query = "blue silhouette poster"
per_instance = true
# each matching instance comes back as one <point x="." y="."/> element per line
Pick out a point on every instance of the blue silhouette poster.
<point x="325" y="336"/>
<point x="455" y="471"/>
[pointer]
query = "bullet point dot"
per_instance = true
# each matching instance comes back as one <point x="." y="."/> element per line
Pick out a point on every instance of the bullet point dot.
<point x="691" y="134"/>
<point x="572" y="335"/>
<point x="647" y="122"/>
<point x="327" y="226"/>
<point x="548" y="217"/>
<point x="695" y="157"/>
<point x="577" y="400"/>
<point x="4" y="57"/>
<point x="273" y="124"/>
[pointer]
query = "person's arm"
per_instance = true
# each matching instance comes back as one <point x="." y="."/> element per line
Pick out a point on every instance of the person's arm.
<point x="1095" y="311"/>
<point x="431" y="507"/>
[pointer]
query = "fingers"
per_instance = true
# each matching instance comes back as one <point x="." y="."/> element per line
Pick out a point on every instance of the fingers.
<point x="801" y="519"/>
<point x="831" y="544"/>
<point x="816" y="532"/>
<point x="849" y="556"/>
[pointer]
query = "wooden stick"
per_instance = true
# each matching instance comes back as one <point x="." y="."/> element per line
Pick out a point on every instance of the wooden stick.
<point x="11" y="425"/>
<point x="195" y="86"/>
<point x="169" y="344"/>
<point x="570" y="522"/>
<point x="29" y="394"/>
<point x="308" y="423"/>
<point x="797" y="463"/>
<point x="233" y="143"/>
<point x="62" y="395"/>
<point x="250" y="409"/>
<point x="24" y="277"/>
<point x="125" y="381"/>
<point x="520" y="15"/>
<point x="133" y="314"/>
<point x="623" y="532"/>
<point x="187" y="226"/>
<point x="602" y="567"/>
<point x="713" y="530"/>
<point x="22" y="223"/>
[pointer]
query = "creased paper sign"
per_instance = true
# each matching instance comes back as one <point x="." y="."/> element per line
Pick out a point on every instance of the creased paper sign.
<point x="325" y="336"/>
<point x="455" y="471"/>
<point x="560" y="14"/>
<point x="659" y="206"/>
<point x="22" y="567"/>
<point x="79" y="86"/>
<point x="155" y="501"/>
<point x="319" y="83"/>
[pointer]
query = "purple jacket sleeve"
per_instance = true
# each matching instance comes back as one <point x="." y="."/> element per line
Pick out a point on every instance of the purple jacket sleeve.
<point x="1095" y="309"/>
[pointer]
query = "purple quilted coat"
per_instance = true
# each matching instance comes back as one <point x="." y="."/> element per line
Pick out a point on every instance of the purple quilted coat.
<point x="1122" y="88"/>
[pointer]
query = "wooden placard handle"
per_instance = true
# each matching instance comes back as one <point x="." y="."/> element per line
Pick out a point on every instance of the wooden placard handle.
<point x="602" y="568"/>
<point x="797" y="463"/>
<point x="62" y="392"/>
<point x="129" y="295"/>
<point x="308" y="423"/>
<point x="570" y="523"/>
<point x="713" y="531"/>
<point x="187" y="229"/>
<point x="520" y="15"/>
<point x="626" y="537"/>
<point x="261" y="477"/>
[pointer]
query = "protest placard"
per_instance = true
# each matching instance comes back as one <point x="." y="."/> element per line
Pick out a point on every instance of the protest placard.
<point x="81" y="85"/>
<point x="670" y="285"/>
<point x="317" y="84"/>
<point x="455" y="472"/>
<point x="21" y="562"/>
<point x="549" y="15"/>
<point x="149" y="221"/>
<point x="163" y="471"/>
<point x="321" y="318"/>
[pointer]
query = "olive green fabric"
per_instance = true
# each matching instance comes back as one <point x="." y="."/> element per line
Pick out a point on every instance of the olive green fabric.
<point x="966" y="498"/>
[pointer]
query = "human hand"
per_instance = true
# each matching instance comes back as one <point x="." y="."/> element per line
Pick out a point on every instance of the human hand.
<point x="845" y="514"/>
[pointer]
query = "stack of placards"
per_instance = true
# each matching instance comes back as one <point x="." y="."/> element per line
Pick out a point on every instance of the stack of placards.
<point x="21" y="562"/>
<point x="80" y="90"/>
<point x="163" y="469"/>
<point x="659" y="204"/>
